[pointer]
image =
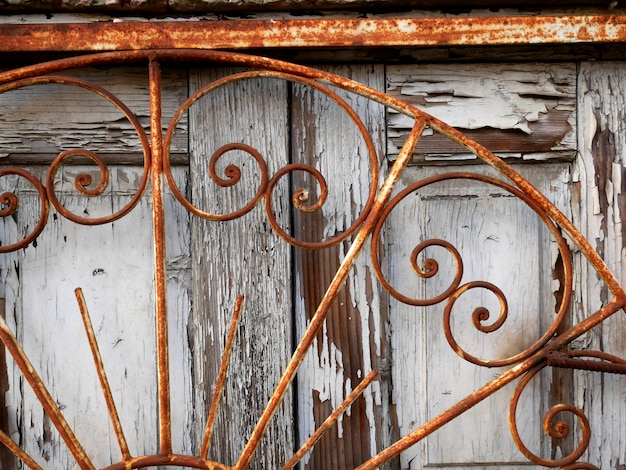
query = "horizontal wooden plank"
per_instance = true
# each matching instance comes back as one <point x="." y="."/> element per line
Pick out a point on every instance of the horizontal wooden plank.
<point x="520" y="111"/>
<point x="34" y="128"/>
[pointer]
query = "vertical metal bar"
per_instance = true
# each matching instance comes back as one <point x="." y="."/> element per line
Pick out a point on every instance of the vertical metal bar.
<point x="221" y="378"/>
<point x="156" y="137"/>
<point x="44" y="397"/>
<point x="324" y="307"/>
<point x="104" y="382"/>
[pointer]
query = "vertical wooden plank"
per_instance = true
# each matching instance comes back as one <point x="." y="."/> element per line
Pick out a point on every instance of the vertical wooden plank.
<point x="353" y="339"/>
<point x="600" y="185"/>
<point x="178" y="266"/>
<point x="240" y="257"/>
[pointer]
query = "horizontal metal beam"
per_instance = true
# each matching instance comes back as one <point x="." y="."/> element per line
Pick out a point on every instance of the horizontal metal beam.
<point x="314" y="33"/>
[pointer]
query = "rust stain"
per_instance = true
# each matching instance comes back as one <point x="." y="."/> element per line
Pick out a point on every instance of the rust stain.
<point x="376" y="32"/>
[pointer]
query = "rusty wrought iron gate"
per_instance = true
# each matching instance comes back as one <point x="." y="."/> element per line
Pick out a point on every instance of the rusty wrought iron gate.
<point x="550" y="349"/>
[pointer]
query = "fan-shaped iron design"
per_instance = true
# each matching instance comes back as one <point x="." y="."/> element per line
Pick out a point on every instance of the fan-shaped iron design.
<point x="548" y="350"/>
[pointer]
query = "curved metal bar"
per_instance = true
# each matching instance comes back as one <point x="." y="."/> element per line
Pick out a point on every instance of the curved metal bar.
<point x="174" y="460"/>
<point x="454" y="291"/>
<point x="553" y="428"/>
<point x="83" y="181"/>
<point x="12" y="203"/>
<point x="300" y="195"/>
<point x="571" y="360"/>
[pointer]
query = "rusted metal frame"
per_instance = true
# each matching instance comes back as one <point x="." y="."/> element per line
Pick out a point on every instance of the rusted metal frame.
<point x="537" y="359"/>
<point x="317" y="320"/>
<point x="321" y="32"/>
<point x="158" y="221"/>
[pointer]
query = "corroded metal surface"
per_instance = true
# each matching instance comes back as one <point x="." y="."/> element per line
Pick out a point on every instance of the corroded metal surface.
<point x="377" y="32"/>
<point x="550" y="349"/>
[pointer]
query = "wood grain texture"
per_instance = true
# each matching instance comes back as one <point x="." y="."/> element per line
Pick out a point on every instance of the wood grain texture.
<point x="353" y="339"/>
<point x="518" y="111"/>
<point x="33" y="124"/>
<point x="600" y="180"/>
<point x="241" y="257"/>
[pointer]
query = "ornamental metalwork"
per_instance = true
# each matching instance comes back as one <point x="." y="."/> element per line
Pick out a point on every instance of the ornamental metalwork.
<point x="549" y="350"/>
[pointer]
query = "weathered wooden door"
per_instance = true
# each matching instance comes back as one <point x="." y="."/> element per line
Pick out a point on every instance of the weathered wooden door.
<point x="544" y="117"/>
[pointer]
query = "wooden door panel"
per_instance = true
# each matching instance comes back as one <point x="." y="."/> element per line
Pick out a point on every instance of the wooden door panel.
<point x="500" y="241"/>
<point x="39" y="285"/>
<point x="519" y="111"/>
<point x="240" y="257"/>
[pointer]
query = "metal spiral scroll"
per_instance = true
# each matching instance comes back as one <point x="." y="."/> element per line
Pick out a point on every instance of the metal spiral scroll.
<point x="266" y="185"/>
<point x="83" y="183"/>
<point x="10" y="203"/>
<point x="554" y="428"/>
<point x="430" y="268"/>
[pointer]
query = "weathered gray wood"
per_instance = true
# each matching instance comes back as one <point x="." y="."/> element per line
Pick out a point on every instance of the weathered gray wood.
<point x="501" y="241"/>
<point x="38" y="287"/>
<point x="241" y="257"/>
<point x="245" y="257"/>
<point x="34" y="126"/>
<point x="601" y="200"/>
<point x="353" y="339"/>
<point x="518" y="111"/>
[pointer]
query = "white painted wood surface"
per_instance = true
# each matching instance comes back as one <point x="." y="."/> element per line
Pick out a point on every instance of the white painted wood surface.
<point x="599" y="182"/>
<point x="500" y="241"/>
<point x="39" y="285"/>
<point x="518" y="111"/>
